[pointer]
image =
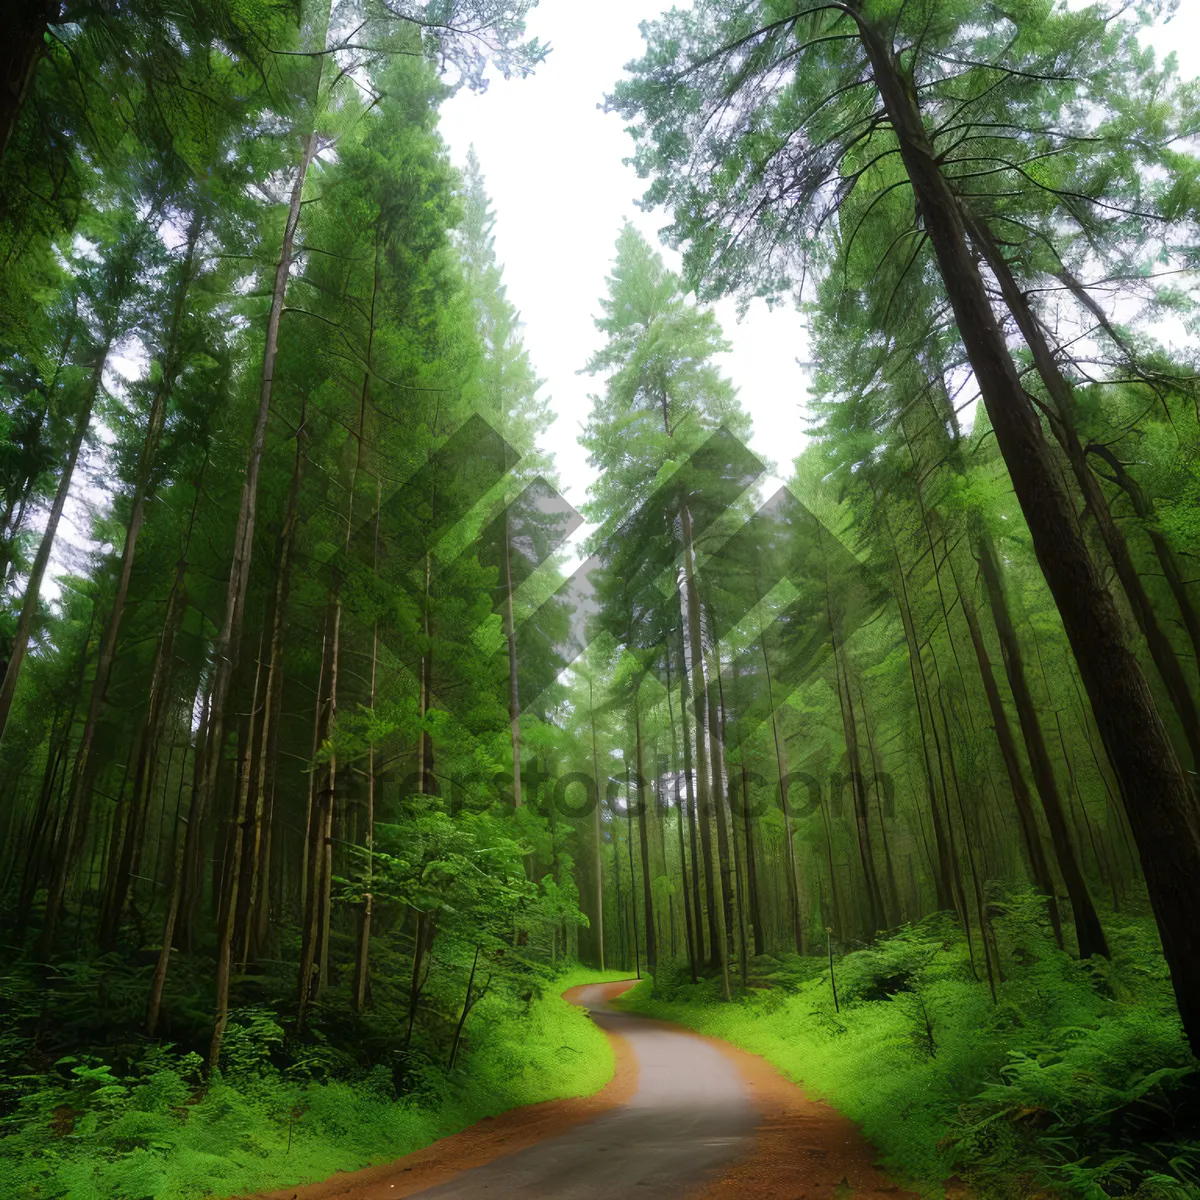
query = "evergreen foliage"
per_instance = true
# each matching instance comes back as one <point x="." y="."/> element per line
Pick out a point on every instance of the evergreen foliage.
<point x="322" y="765"/>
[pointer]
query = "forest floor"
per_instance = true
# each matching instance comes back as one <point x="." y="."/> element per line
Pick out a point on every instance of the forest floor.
<point x="684" y="1115"/>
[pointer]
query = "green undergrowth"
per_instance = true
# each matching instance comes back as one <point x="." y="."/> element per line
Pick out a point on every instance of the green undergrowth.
<point x="1076" y="1081"/>
<point x="152" y="1130"/>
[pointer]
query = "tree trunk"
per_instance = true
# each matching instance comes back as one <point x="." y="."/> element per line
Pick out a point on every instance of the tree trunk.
<point x="643" y="820"/>
<point x="227" y="916"/>
<point x="697" y="867"/>
<point x="29" y="606"/>
<point x="716" y="921"/>
<point x="362" y="961"/>
<point x="943" y="884"/>
<point x="598" y="833"/>
<point x="1089" y="931"/>
<point x="690" y="919"/>
<point x="858" y="792"/>
<point x="1063" y="425"/>
<point x="249" y="927"/>
<point x="753" y="900"/>
<point x="633" y="923"/>
<point x="1162" y="810"/>
<point x="1165" y="553"/>
<point x="228" y="644"/>
<point x="143" y="779"/>
<point x="83" y="772"/>
<point x="1027" y="818"/>
<point x="514" y="684"/>
<point x="795" y="919"/>
<point x="24" y="45"/>
<point x="719" y="808"/>
<point x="158" y="981"/>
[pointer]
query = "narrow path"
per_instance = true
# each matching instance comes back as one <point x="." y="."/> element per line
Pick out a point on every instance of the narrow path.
<point x="685" y="1116"/>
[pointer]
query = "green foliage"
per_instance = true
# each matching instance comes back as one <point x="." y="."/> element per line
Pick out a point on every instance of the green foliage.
<point x="1057" y="1085"/>
<point x="155" y="1129"/>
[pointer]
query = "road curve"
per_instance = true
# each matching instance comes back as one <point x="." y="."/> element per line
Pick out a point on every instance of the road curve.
<point x="691" y="1115"/>
<point x="685" y="1116"/>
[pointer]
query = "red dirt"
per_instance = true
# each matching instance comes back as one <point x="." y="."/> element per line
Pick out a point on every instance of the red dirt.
<point x="491" y="1138"/>
<point x="802" y="1150"/>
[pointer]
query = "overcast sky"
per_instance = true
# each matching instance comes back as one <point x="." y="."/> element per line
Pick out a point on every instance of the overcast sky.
<point x="553" y="164"/>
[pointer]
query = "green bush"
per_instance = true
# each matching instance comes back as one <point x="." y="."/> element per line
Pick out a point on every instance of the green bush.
<point x="156" y="1131"/>
<point x="1076" y="1079"/>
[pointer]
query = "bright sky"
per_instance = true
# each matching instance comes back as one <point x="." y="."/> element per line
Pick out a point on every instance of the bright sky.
<point x="552" y="160"/>
<point x="553" y="165"/>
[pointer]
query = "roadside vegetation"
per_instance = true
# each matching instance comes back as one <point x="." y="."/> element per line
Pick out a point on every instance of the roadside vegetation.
<point x="139" y="1121"/>
<point x="1072" y="1081"/>
<point x="330" y="731"/>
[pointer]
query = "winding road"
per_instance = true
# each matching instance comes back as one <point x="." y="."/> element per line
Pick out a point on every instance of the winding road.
<point x="685" y="1116"/>
<point x="690" y="1115"/>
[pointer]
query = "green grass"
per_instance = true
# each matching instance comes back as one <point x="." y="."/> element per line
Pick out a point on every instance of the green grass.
<point x="1076" y="1080"/>
<point x="86" y="1134"/>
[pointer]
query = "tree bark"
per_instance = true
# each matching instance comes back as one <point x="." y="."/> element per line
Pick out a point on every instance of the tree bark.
<point x="182" y="839"/>
<point x="690" y="918"/>
<point x="362" y="977"/>
<point x="1143" y="506"/>
<point x="228" y="643"/>
<point x="1027" y="819"/>
<point x="719" y="808"/>
<point x="1162" y="810"/>
<point x="514" y="684"/>
<point x="651" y="941"/>
<point x="83" y="771"/>
<point x="29" y="605"/>
<point x="1089" y="931"/>
<point x="598" y="834"/>
<point x="1062" y="422"/>
<point x="716" y="922"/>
<point x="228" y="911"/>
<point x="795" y="919"/>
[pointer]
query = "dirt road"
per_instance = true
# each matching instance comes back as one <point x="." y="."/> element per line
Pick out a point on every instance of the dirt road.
<point x="685" y="1116"/>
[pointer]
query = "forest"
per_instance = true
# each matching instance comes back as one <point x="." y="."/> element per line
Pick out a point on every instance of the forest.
<point x="336" y="743"/>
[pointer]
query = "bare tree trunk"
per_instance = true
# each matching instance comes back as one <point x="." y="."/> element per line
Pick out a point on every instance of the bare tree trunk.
<point x="1172" y="572"/>
<point x="143" y="779"/>
<point x="228" y="644"/>
<point x="362" y="978"/>
<point x="701" y="864"/>
<point x="858" y="791"/>
<point x="466" y="1011"/>
<point x="648" y="894"/>
<point x="248" y="929"/>
<point x="690" y="918"/>
<point x="1088" y="930"/>
<point x="717" y="942"/>
<point x="795" y="919"/>
<point x="227" y="916"/>
<point x="1162" y="810"/>
<point x="29" y="606"/>
<point x="1027" y="819"/>
<point x="514" y="684"/>
<point x="1062" y="422"/>
<point x="183" y="837"/>
<point x="598" y="833"/>
<point x="943" y="873"/>
<point x="753" y="902"/>
<point x="719" y="806"/>
<point x="83" y="772"/>
<point x="637" y="965"/>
